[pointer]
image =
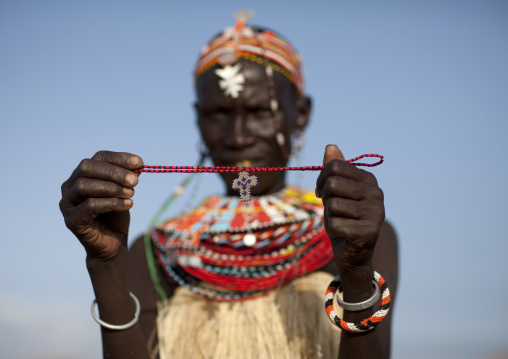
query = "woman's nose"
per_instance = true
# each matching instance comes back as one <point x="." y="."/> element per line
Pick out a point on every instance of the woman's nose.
<point x="237" y="134"/>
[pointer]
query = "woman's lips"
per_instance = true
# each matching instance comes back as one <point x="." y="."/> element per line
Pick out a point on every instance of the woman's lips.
<point x="244" y="163"/>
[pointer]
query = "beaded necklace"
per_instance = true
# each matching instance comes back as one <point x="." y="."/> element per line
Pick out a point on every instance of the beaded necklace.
<point x="205" y="250"/>
<point x="230" y="248"/>
<point x="226" y="169"/>
<point x="244" y="182"/>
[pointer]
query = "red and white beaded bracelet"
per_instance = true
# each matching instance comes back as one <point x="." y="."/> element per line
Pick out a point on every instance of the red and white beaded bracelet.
<point x="366" y="324"/>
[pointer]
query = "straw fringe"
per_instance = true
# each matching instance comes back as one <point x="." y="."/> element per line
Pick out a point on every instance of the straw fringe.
<point x="289" y="323"/>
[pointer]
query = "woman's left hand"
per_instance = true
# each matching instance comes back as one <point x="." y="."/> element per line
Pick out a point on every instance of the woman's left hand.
<point x="354" y="211"/>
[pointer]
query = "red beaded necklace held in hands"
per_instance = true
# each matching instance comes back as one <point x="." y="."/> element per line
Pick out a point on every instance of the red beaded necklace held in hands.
<point x="244" y="182"/>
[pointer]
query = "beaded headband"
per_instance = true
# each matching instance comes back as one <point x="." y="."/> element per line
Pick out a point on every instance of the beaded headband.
<point x="261" y="46"/>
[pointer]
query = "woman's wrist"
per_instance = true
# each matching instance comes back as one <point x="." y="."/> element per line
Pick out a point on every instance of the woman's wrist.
<point x="357" y="283"/>
<point x="111" y="288"/>
<point x="97" y="264"/>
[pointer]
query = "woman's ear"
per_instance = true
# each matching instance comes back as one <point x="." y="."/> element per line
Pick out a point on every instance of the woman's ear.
<point x="303" y="106"/>
<point x="197" y="112"/>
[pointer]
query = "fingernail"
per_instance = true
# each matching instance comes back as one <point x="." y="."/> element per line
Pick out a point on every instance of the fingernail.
<point x="127" y="202"/>
<point x="135" y="161"/>
<point x="128" y="191"/>
<point x="131" y="179"/>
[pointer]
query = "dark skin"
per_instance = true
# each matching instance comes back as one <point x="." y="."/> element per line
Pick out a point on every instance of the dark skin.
<point x="240" y="129"/>
<point x="97" y="197"/>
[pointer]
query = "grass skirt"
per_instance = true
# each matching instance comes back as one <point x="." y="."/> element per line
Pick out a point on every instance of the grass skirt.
<point x="289" y="323"/>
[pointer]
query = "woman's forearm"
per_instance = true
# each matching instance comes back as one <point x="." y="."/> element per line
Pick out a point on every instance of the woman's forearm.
<point x="116" y="307"/>
<point x="357" y="288"/>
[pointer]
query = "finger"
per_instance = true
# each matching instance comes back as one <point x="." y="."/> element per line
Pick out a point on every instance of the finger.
<point x="343" y="169"/>
<point x="85" y="188"/>
<point x="89" y="168"/>
<point x="121" y="159"/>
<point x="332" y="152"/>
<point x="356" y="231"/>
<point x="102" y="166"/>
<point x="336" y="186"/>
<point x="79" y="218"/>
<point x="347" y="208"/>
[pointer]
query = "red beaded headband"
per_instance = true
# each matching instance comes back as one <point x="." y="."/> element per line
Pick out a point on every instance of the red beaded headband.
<point x="258" y="45"/>
<point x="244" y="181"/>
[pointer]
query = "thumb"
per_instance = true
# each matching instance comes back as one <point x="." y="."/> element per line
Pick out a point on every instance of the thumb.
<point x="332" y="152"/>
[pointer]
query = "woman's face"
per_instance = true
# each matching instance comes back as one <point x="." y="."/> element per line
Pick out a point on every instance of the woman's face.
<point x="242" y="131"/>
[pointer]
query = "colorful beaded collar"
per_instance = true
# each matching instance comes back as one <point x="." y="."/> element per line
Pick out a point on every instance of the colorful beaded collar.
<point x="207" y="252"/>
<point x="218" y="215"/>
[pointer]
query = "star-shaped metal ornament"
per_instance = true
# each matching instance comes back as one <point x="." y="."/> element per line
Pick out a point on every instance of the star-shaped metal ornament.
<point x="232" y="80"/>
<point x="243" y="183"/>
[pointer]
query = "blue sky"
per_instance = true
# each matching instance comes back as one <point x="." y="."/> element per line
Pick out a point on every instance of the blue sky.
<point x="422" y="82"/>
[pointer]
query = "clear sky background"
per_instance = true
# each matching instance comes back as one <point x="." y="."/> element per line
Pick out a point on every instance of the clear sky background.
<point x="422" y="82"/>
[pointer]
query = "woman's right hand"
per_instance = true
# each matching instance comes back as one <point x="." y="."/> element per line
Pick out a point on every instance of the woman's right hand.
<point x="96" y="200"/>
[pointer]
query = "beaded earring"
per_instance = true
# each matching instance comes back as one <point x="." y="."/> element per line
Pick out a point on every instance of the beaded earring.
<point x="203" y="150"/>
<point x="298" y="142"/>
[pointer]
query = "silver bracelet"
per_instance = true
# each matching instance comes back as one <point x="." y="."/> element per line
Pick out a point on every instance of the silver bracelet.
<point x="118" y="327"/>
<point x="355" y="307"/>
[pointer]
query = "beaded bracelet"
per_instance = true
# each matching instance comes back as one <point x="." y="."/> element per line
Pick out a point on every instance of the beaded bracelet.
<point x="366" y="324"/>
<point x="244" y="182"/>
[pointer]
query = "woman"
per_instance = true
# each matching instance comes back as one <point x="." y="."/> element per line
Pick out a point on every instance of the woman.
<point x="250" y="103"/>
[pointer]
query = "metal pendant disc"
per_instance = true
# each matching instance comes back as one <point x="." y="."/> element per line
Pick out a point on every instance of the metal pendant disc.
<point x="249" y="239"/>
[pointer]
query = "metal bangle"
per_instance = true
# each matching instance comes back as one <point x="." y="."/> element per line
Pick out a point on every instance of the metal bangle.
<point x="366" y="324"/>
<point x="355" y="307"/>
<point x="118" y="327"/>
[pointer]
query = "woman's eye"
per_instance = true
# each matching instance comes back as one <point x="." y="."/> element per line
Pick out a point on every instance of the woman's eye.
<point x="263" y="113"/>
<point x="217" y="115"/>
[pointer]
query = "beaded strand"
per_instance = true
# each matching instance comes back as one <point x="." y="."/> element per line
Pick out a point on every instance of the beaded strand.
<point x="227" y="169"/>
